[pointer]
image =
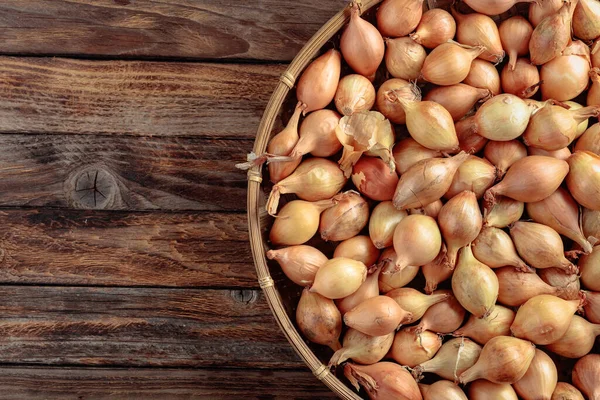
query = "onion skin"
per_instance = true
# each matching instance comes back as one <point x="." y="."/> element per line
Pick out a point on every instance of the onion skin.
<point x="377" y="316"/>
<point x="540" y="379"/>
<point x="591" y="223"/>
<point x="589" y="266"/>
<point x="384" y="380"/>
<point x="404" y="58"/>
<point x="522" y="79"/>
<point x="339" y="278"/>
<point x="586" y="376"/>
<point x="407" y="152"/>
<point x="562" y="154"/>
<point x="435" y="28"/>
<point x="593" y="96"/>
<point x="383" y="222"/>
<point x="299" y="263"/>
<point x="583" y="125"/>
<point x="552" y="35"/>
<point x="503" y="359"/>
<point x="566" y="76"/>
<point x="434" y="274"/>
<point x="362" y="45"/>
<point x="494" y="248"/>
<point x="578" y="340"/>
<point x="415" y="302"/>
<point x="449" y="63"/>
<point x="319" y="81"/>
<point x="396" y="18"/>
<point x="475" y="174"/>
<point x="411" y="349"/>
<point x="592" y="307"/>
<point x="483" y="330"/>
<point x="504" y="154"/>
<point x="567" y="284"/>
<point x="454" y="357"/>
<point x="564" y="391"/>
<point x="583" y="179"/>
<point x="502" y="118"/>
<point x="319" y="319"/>
<point x="417" y="241"/>
<point x="393" y="110"/>
<point x="317" y="135"/>
<point x="515" y="33"/>
<point x="457" y="99"/>
<point x="354" y="93"/>
<point x="374" y="179"/>
<point x="368" y="289"/>
<point x="503" y="213"/>
<point x="590" y="140"/>
<point x="442" y="389"/>
<point x="544" y="319"/>
<point x="362" y="348"/>
<point x="443" y="317"/>
<point x="348" y="216"/>
<point x="517" y="287"/>
<point x="585" y="20"/>
<point x="359" y="248"/>
<point x="468" y="139"/>
<point x="395" y="280"/>
<point x="282" y="144"/>
<point x="298" y="222"/>
<point x="479" y="30"/>
<point x="493" y="7"/>
<point x="543" y="9"/>
<point x="432" y="209"/>
<point x="486" y="390"/>
<point x="484" y="75"/>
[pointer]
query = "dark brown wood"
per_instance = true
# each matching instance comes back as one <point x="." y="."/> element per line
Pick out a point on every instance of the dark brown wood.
<point x="49" y="246"/>
<point x="53" y="95"/>
<point x="264" y="30"/>
<point x="122" y="172"/>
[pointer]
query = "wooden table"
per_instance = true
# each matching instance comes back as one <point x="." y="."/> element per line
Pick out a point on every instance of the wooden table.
<point x="125" y="268"/>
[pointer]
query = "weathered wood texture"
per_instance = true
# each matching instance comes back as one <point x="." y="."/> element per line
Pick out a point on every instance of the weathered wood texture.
<point x="197" y="29"/>
<point x="128" y="173"/>
<point x="140" y="327"/>
<point x="53" y="95"/>
<point x="158" y="384"/>
<point x="61" y="247"/>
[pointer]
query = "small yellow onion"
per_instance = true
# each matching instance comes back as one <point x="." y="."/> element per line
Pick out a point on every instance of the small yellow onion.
<point x="591" y="223"/>
<point x="395" y="280"/>
<point x="482" y="330"/>
<point x="495" y="248"/>
<point x="435" y="273"/>
<point x="586" y="376"/>
<point x="516" y="287"/>
<point x="377" y="316"/>
<point x="544" y="319"/>
<point x="407" y="152"/>
<point x="474" y="284"/>
<point x="504" y="359"/>
<point x="319" y="81"/>
<point x="589" y="141"/>
<point x="468" y="139"/>
<point x="540" y="10"/>
<point x="354" y="93"/>
<point x="567" y="76"/>
<point x="502" y="118"/>
<point x="486" y="390"/>
<point x="564" y="391"/>
<point x="582" y="126"/>
<point x="540" y="379"/>
<point x="457" y="99"/>
<point x="411" y="349"/>
<point x="362" y="348"/>
<point x="504" y="154"/>
<point x="460" y="222"/>
<point x="319" y="319"/>
<point x="417" y="241"/>
<point x="383" y="222"/>
<point x="390" y="108"/>
<point x="362" y="45"/>
<point x="315" y="179"/>
<point x="431" y="209"/>
<point x="298" y="221"/>
<point x="521" y="79"/>
<point x="583" y="179"/>
<point x="449" y="63"/>
<point x="578" y="340"/>
<point x="339" y="278"/>
<point x="426" y="181"/>
<point x="475" y="174"/>
<point x="348" y="216"/>
<point x="454" y="357"/>
<point x="484" y="75"/>
<point x="586" y="20"/>
<point x="368" y="289"/>
<point x="593" y="96"/>
<point x="589" y="267"/>
<point x="397" y="18"/>
<point x="552" y="35"/>
<point x="443" y="317"/>
<point x="299" y="263"/>
<point x="359" y="248"/>
<point x="515" y="33"/>
<point x="595" y="53"/>
<point x="374" y="179"/>
<point x="562" y="154"/>
<point x="479" y="30"/>
<point x="415" y="302"/>
<point x="568" y="284"/>
<point x="384" y="380"/>
<point x="540" y="246"/>
<point x="503" y="213"/>
<point x="435" y="28"/>
<point x="317" y="135"/>
<point x="442" y="390"/>
<point x="592" y="307"/>
<point x="404" y="58"/>
<point x="493" y="7"/>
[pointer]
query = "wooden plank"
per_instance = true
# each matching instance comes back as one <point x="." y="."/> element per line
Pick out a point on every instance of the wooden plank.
<point x="125" y="249"/>
<point x="140" y="327"/>
<point x="207" y="29"/>
<point x="128" y="173"/>
<point x="53" y="95"/>
<point x="159" y="384"/>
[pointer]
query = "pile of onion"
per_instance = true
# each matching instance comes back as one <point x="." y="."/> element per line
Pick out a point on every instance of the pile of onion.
<point x="436" y="194"/>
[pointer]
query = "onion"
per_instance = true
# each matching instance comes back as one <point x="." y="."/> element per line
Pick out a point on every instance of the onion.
<point x="377" y="316"/>
<point x="592" y="307"/>
<point x="540" y="246"/>
<point x="299" y="263"/>
<point x="560" y="212"/>
<point x="457" y="99"/>
<point x="582" y="126"/>
<point x="504" y="154"/>
<point x="503" y="213"/>
<point x="521" y="79"/>
<point x="474" y="284"/>
<point x="562" y="154"/>
<point x="568" y="284"/>
<point x="530" y="179"/>
<point x="443" y="317"/>
<point x="593" y="96"/>
<point x="586" y="376"/>
<point x="382" y="224"/>
<point x="503" y="359"/>
<point x="591" y="223"/>
<point x="475" y="174"/>
<point x="494" y="248"/>
<point x="515" y="33"/>
<point x="362" y="348"/>
<point x="449" y="63"/>
<point x="417" y="241"/>
<point x="354" y="93"/>
<point x="394" y="280"/>
<point x="404" y="58"/>
<point x="368" y="289"/>
<point x="484" y="75"/>
<point x="482" y="330"/>
<point x="362" y="45"/>
<point x="431" y="209"/>
<point x="298" y="221"/>
<point x="374" y="179"/>
<point x="578" y="340"/>
<point x="583" y="179"/>
<point x="345" y="219"/>
<point x="564" y="391"/>
<point x="589" y="141"/>
<point x="407" y="152"/>
<point x="317" y="135"/>
<point x="397" y="18"/>
<point x="586" y="25"/>
<point x="411" y="349"/>
<point x="415" y="302"/>
<point x="552" y="35"/>
<point x="384" y="380"/>
<point x="468" y="139"/>
<point x="426" y="181"/>
<point x="359" y="248"/>
<point x="567" y="76"/>
<point x="544" y="319"/>
<point x="460" y="222"/>
<point x="315" y="179"/>
<point x="486" y="390"/>
<point x="540" y="10"/>
<point x="540" y="379"/>
<point x="435" y="273"/>
<point x="339" y="278"/>
<point x="442" y="390"/>
<point x="454" y="357"/>
<point x="391" y="108"/>
<point x="502" y="118"/>
<point x="589" y="266"/>
<point x="435" y="28"/>
<point x="493" y="7"/>
<point x="319" y="319"/>
<point x="479" y="30"/>
<point x="517" y="287"/>
<point x="319" y="81"/>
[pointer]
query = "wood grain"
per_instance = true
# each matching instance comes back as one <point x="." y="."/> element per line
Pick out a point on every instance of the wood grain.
<point x="47" y="383"/>
<point x="53" y="95"/>
<point x="264" y="30"/>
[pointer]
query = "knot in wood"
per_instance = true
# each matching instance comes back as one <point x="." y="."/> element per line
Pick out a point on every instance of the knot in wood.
<point x="92" y="187"/>
<point x="245" y="296"/>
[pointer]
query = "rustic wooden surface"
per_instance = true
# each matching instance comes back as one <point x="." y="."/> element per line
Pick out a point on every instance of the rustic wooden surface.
<point x="125" y="271"/>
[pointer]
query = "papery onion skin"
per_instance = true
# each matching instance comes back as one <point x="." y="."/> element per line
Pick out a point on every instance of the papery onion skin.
<point x="449" y="64"/>
<point x="504" y="154"/>
<point x="298" y="222"/>
<point x="444" y="388"/>
<point x="359" y="248"/>
<point x="454" y="357"/>
<point x="435" y="28"/>
<point x="485" y="390"/>
<point x="494" y="248"/>
<point x="515" y="33"/>
<point x="502" y="118"/>
<point x="317" y="135"/>
<point x="319" y="81"/>
<point x="368" y="289"/>
<point x="543" y="9"/>
<point x="523" y="80"/>
<point x="443" y="317"/>
<point x="431" y="209"/>
<point x="564" y="391"/>
<point x="590" y="140"/>
<point x="552" y="35"/>
<point x="468" y="139"/>
<point x="583" y="125"/>
<point x="593" y="96"/>
<point x="355" y="93"/>
<point x="390" y="281"/>
<point x="516" y="287"/>
<point x="475" y="174"/>
<point x="339" y="278"/>
<point x="384" y="380"/>
<point x="415" y="302"/>
<point x="586" y="376"/>
<point x="392" y="109"/>
<point x="592" y="307"/>
<point x="457" y="99"/>
<point x="562" y="154"/>
<point x="362" y="45"/>
<point x="411" y="349"/>
<point x="383" y="222"/>
<point x="404" y="58"/>
<point x="407" y="152"/>
<point x="493" y="7"/>
<point x="591" y="223"/>
<point x="319" y="319"/>
<point x="568" y="285"/>
<point x="503" y="213"/>
<point x="362" y="348"/>
<point x="345" y="219"/>
<point x="417" y="241"/>
<point x="435" y="273"/>
<point x="483" y="330"/>
<point x="589" y="267"/>
<point x="566" y="76"/>
<point x="585" y="20"/>
<point x="396" y="18"/>
<point x="540" y="379"/>
<point x="479" y="30"/>
<point x="484" y="75"/>
<point x="578" y="340"/>
<point x="377" y="316"/>
<point x="583" y="179"/>
<point x="374" y="179"/>
<point x="299" y="263"/>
